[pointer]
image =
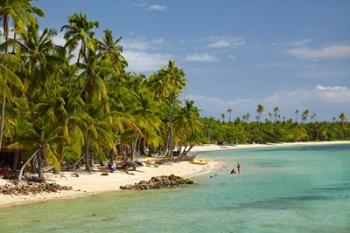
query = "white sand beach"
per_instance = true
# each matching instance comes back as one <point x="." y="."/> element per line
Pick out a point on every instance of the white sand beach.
<point x="94" y="183"/>
<point x="89" y="184"/>
<point x="214" y="147"/>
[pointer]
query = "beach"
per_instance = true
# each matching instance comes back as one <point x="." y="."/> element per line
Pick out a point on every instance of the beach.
<point x="95" y="183"/>
<point x="214" y="147"/>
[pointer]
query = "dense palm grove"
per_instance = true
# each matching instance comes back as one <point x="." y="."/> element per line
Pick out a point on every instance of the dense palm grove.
<point x="71" y="104"/>
<point x="241" y="131"/>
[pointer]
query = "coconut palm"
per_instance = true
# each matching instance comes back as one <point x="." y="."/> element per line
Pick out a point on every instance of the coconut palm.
<point x="168" y="83"/>
<point x="260" y="109"/>
<point x="189" y="126"/>
<point x="79" y="31"/>
<point x="223" y="117"/>
<point x="305" y="115"/>
<point x="229" y="111"/>
<point x="112" y="53"/>
<point x="20" y="12"/>
<point x="296" y="115"/>
<point x="342" y="117"/>
<point x="275" y="113"/>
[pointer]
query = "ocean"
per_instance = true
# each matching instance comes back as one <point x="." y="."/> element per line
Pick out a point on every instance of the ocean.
<point x="288" y="189"/>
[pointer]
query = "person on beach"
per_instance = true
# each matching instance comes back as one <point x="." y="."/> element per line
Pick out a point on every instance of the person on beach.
<point x="112" y="166"/>
<point x="238" y="168"/>
<point x="233" y="171"/>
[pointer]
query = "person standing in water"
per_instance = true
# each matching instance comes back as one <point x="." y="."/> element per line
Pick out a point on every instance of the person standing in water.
<point x="238" y="168"/>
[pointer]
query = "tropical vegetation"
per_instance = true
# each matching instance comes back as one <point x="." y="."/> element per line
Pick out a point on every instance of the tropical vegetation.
<point x="77" y="103"/>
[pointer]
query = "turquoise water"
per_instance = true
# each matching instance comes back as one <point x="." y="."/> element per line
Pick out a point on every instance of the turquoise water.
<point x="297" y="189"/>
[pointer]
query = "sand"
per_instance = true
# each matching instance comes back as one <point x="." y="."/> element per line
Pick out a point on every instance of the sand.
<point x="90" y="184"/>
<point x="94" y="183"/>
<point x="213" y="147"/>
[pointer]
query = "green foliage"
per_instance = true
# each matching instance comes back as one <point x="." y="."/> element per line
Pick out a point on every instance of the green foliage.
<point x="69" y="108"/>
<point x="273" y="132"/>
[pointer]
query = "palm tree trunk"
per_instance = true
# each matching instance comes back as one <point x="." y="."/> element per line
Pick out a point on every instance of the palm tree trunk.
<point x="2" y="120"/>
<point x="87" y="158"/>
<point x="25" y="164"/>
<point x="134" y="148"/>
<point x="40" y="158"/>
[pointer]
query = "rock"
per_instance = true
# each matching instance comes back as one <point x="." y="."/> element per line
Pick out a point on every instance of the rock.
<point x="31" y="188"/>
<point x="158" y="182"/>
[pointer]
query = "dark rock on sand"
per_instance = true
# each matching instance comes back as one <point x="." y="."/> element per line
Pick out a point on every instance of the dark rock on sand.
<point x="31" y="188"/>
<point x="158" y="182"/>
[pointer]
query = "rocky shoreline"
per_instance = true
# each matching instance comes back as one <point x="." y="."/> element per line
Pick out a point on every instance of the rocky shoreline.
<point x="158" y="182"/>
<point x="31" y="188"/>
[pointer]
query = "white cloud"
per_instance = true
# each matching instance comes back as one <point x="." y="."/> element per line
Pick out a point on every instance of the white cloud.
<point x="319" y="94"/>
<point x="59" y="39"/>
<point x="142" y="43"/>
<point x="226" y="42"/>
<point x="201" y="57"/>
<point x="144" y="55"/>
<point x="318" y="97"/>
<point x="143" y="61"/>
<point x="335" y="51"/>
<point x="297" y="43"/>
<point x="320" y="87"/>
<point x="157" y="8"/>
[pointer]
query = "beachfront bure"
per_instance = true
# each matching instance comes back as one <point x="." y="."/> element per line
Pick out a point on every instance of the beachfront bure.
<point x="75" y="104"/>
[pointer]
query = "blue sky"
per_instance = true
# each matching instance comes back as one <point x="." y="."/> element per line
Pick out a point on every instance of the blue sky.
<point x="294" y="54"/>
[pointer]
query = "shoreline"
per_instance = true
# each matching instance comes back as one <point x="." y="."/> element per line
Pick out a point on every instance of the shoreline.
<point x="92" y="184"/>
<point x="214" y="147"/>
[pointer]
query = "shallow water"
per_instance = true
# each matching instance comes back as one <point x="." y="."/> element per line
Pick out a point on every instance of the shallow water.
<point x="296" y="189"/>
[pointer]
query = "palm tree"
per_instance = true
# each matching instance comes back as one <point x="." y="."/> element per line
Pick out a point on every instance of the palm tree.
<point x="8" y="79"/>
<point x="112" y="53"/>
<point x="260" y="109"/>
<point x="296" y="115"/>
<point x="275" y="113"/>
<point x="313" y="116"/>
<point x="270" y="116"/>
<point x="79" y="31"/>
<point x="189" y="124"/>
<point x="342" y="117"/>
<point x="229" y="111"/>
<point x="223" y="117"/>
<point x="305" y="115"/>
<point x="21" y="13"/>
<point x="168" y="83"/>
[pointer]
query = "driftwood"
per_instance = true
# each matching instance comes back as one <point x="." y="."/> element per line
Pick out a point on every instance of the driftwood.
<point x="176" y="159"/>
<point x="128" y="165"/>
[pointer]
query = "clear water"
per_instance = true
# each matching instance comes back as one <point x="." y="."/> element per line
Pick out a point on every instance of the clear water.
<point x="297" y="189"/>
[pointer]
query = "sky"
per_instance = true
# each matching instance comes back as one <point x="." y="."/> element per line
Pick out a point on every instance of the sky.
<point x="294" y="54"/>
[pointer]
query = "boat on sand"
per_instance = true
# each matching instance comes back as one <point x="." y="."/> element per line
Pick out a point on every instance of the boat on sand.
<point x="199" y="161"/>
